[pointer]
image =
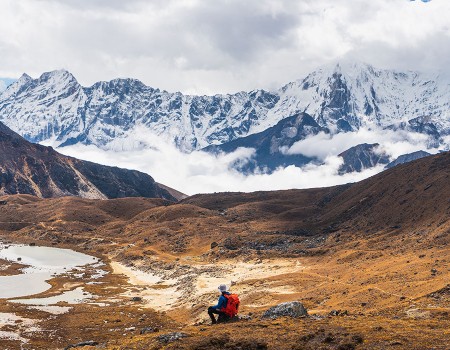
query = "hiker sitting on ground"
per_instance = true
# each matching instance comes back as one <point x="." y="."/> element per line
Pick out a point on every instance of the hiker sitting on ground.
<point x="227" y="306"/>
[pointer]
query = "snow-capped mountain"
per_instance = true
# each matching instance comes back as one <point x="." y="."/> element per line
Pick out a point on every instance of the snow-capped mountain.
<point x="341" y="98"/>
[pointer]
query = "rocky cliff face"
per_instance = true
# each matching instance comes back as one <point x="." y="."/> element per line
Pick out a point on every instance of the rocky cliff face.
<point x="340" y="97"/>
<point x="271" y="145"/>
<point x="362" y="157"/>
<point x="27" y="168"/>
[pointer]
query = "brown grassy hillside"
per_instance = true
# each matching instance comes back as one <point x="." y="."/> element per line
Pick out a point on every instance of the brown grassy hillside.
<point x="377" y="249"/>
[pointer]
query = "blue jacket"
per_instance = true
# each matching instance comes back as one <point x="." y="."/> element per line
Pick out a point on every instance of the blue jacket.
<point x="222" y="302"/>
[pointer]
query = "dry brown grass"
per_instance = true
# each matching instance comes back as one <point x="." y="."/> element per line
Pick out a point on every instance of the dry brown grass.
<point x="378" y="249"/>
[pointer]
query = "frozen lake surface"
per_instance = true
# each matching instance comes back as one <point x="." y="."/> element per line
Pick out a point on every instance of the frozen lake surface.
<point x="44" y="263"/>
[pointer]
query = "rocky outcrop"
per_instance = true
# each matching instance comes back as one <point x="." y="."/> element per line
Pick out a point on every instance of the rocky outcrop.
<point x="405" y="158"/>
<point x="292" y="309"/>
<point x="362" y="157"/>
<point x="271" y="146"/>
<point x="28" y="168"/>
<point x="81" y="344"/>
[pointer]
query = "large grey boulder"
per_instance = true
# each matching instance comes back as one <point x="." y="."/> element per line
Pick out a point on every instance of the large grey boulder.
<point x="292" y="309"/>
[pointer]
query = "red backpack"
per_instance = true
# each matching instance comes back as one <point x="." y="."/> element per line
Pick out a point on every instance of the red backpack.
<point x="232" y="307"/>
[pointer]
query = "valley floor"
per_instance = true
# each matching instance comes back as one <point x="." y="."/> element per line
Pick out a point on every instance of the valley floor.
<point x="356" y="300"/>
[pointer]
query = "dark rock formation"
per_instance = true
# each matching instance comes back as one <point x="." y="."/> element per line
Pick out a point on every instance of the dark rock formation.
<point x="361" y="157"/>
<point x="405" y="158"/>
<point x="82" y="344"/>
<point x="271" y="144"/>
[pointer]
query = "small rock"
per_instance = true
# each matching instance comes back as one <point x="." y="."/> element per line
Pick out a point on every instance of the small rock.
<point x="32" y="244"/>
<point x="395" y="343"/>
<point x="214" y="244"/>
<point x="292" y="309"/>
<point x="338" y="313"/>
<point x="171" y="337"/>
<point x="84" y="343"/>
<point x="136" y="299"/>
<point x="244" y="317"/>
<point x="146" y="330"/>
<point x="418" y="314"/>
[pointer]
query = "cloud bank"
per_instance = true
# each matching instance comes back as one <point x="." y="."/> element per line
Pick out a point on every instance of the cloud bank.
<point x="200" y="172"/>
<point x="394" y="143"/>
<point x="202" y="46"/>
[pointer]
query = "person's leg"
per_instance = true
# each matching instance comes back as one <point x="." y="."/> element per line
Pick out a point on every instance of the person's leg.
<point x="223" y="317"/>
<point x="211" y="312"/>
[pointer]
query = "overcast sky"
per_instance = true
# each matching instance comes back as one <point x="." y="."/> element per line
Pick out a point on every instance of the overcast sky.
<point x="205" y="46"/>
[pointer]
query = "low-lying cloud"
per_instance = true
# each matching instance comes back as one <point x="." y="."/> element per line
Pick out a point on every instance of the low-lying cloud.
<point x="201" y="172"/>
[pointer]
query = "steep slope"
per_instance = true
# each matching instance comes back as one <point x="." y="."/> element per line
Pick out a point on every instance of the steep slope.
<point x="340" y="97"/>
<point x="41" y="171"/>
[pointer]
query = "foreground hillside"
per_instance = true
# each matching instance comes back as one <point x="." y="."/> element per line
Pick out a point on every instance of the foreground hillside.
<point x="370" y="262"/>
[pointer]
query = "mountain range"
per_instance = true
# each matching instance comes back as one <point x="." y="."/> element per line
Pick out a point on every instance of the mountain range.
<point x="123" y="113"/>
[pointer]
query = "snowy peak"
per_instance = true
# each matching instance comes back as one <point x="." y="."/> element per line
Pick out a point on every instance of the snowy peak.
<point x="340" y="97"/>
<point x="12" y="89"/>
<point x="57" y="76"/>
<point x="42" y="108"/>
<point x="357" y="94"/>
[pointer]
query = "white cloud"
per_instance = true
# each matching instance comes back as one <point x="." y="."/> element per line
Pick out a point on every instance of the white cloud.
<point x="202" y="46"/>
<point x="200" y="172"/>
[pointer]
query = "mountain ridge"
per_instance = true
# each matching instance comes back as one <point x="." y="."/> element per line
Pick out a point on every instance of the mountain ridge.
<point x="342" y="98"/>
